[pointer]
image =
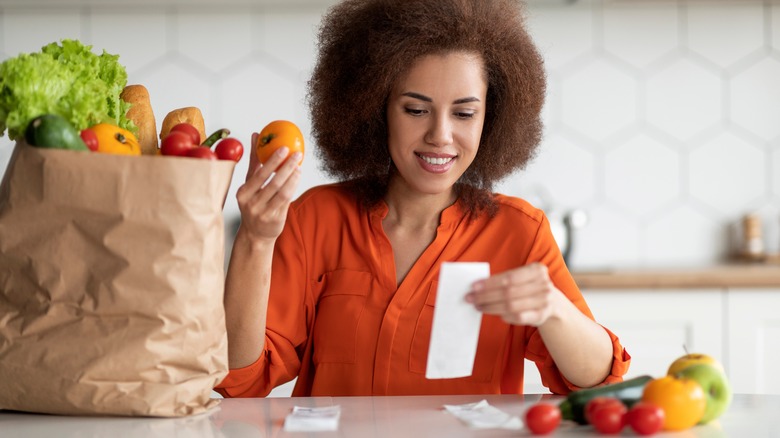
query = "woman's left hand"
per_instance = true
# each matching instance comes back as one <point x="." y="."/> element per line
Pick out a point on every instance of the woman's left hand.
<point x="521" y="296"/>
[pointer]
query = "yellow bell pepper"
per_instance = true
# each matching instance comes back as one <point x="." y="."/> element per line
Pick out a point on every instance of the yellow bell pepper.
<point x="115" y="140"/>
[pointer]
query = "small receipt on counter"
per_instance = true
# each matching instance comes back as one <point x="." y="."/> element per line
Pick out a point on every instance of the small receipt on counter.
<point x="303" y="419"/>
<point x="456" y="323"/>
<point x="481" y="415"/>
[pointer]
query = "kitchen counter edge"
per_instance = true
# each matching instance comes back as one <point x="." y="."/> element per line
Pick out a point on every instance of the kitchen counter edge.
<point x="743" y="275"/>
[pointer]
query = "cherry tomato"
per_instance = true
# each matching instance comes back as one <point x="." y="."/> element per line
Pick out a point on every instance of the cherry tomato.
<point x="597" y="403"/>
<point x="176" y="143"/>
<point x="90" y="139"/>
<point x="645" y="418"/>
<point x="542" y="418"/>
<point x="201" y="152"/>
<point x="229" y="149"/>
<point x="609" y="419"/>
<point x="682" y="400"/>
<point x="189" y="130"/>
<point x="277" y="134"/>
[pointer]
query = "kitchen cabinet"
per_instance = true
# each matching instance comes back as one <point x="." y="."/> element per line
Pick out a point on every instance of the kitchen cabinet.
<point x="656" y="326"/>
<point x="754" y="339"/>
<point x="729" y="312"/>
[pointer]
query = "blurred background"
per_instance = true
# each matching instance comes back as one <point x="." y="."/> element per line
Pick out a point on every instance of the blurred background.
<point x="662" y="118"/>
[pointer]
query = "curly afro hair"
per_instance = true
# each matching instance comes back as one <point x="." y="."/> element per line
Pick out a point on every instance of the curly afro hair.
<point x="366" y="45"/>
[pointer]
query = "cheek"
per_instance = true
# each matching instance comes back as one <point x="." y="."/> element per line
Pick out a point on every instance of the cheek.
<point x="472" y="139"/>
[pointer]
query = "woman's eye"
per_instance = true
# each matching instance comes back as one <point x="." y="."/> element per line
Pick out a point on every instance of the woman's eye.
<point x="462" y="115"/>
<point x="415" y="111"/>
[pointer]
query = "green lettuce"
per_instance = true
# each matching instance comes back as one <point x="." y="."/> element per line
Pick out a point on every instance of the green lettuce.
<point x="66" y="79"/>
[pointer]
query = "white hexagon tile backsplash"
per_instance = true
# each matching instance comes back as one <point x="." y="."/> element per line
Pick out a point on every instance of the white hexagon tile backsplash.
<point x="662" y="119"/>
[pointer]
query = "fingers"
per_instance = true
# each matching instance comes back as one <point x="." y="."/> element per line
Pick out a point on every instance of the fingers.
<point x="264" y="198"/>
<point x="519" y="296"/>
<point x="528" y="280"/>
<point x="525" y="274"/>
<point x="279" y="189"/>
<point x="259" y="176"/>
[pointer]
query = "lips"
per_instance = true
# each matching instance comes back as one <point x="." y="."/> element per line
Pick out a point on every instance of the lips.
<point x="436" y="163"/>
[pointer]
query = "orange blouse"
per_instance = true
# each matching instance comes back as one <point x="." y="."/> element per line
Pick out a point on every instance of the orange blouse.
<point x="337" y="320"/>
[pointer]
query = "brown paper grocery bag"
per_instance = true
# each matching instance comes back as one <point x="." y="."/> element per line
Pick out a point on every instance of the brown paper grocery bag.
<point x="111" y="283"/>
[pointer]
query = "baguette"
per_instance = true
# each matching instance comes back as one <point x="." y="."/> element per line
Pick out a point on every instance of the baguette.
<point x="141" y="114"/>
<point x="190" y="114"/>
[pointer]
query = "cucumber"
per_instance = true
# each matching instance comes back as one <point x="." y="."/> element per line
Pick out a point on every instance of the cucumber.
<point x="628" y="391"/>
<point x="54" y="132"/>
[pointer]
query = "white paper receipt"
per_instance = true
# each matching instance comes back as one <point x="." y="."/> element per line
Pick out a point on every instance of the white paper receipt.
<point x="482" y="415"/>
<point x="456" y="323"/>
<point x="303" y="419"/>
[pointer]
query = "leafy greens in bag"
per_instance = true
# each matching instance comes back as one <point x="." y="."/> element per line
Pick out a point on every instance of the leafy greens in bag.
<point x="66" y="79"/>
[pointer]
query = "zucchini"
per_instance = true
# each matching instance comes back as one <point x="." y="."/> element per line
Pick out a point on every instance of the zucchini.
<point x="53" y="132"/>
<point x="628" y="391"/>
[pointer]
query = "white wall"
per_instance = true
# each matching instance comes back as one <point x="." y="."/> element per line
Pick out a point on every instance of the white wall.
<point x="663" y="118"/>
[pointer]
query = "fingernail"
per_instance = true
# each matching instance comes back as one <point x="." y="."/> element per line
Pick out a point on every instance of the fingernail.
<point x="469" y="297"/>
<point x="479" y="285"/>
<point x="283" y="151"/>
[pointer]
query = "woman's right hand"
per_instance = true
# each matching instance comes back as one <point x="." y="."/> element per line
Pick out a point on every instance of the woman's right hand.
<point x="263" y="203"/>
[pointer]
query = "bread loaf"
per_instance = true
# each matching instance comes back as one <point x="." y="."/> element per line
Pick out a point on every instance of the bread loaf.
<point x="141" y="114"/>
<point x="190" y="114"/>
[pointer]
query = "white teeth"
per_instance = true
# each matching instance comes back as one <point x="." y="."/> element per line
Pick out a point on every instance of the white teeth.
<point x="435" y="161"/>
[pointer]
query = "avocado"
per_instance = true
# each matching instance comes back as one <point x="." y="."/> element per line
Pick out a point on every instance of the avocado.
<point x="54" y="132"/>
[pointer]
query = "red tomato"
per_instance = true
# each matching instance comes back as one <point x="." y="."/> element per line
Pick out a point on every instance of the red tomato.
<point x="177" y="144"/>
<point x="597" y="403"/>
<point x="229" y="149"/>
<point x="542" y="418"/>
<point x="606" y="414"/>
<point x="645" y="418"/>
<point x="202" y="152"/>
<point x="90" y="139"/>
<point x="189" y="130"/>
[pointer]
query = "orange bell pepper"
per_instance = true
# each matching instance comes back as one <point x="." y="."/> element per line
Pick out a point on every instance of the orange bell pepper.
<point x="682" y="400"/>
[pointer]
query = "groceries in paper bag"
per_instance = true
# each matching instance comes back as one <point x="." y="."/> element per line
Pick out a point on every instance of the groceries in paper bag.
<point x="111" y="254"/>
<point x="66" y="97"/>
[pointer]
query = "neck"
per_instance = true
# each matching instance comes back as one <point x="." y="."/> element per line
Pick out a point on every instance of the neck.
<point x="409" y="209"/>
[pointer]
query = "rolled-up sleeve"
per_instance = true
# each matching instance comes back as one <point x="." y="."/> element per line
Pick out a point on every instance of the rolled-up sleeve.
<point x="290" y="313"/>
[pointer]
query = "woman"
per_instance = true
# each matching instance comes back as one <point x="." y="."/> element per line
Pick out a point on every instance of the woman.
<point x="418" y="107"/>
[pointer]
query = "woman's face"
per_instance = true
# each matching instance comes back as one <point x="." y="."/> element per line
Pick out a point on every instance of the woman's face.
<point x="435" y="115"/>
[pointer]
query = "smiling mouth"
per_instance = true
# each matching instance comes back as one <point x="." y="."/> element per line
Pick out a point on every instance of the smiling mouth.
<point x="436" y="161"/>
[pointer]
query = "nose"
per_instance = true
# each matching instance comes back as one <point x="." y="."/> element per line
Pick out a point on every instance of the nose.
<point x="439" y="132"/>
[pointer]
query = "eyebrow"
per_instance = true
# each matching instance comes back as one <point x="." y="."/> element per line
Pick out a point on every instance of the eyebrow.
<point x="425" y="98"/>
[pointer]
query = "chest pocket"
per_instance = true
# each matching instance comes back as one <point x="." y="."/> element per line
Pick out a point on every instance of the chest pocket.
<point x="492" y="339"/>
<point x="342" y="300"/>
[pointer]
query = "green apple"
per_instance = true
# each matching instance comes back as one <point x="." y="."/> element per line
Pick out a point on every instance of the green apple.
<point x="715" y="385"/>
<point x="689" y="359"/>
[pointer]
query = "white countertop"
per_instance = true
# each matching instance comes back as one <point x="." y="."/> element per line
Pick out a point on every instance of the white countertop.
<point x="753" y="416"/>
